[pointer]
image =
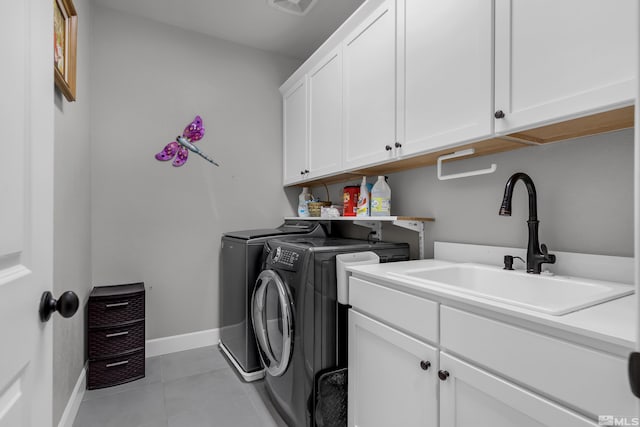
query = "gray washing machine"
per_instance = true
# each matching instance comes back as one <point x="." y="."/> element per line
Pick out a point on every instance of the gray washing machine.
<point x="299" y="325"/>
<point x="240" y="264"/>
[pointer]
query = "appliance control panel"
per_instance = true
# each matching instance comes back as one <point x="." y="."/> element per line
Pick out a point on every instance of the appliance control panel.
<point x="285" y="257"/>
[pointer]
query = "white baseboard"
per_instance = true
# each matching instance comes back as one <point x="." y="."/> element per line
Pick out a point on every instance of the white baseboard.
<point x="71" y="410"/>
<point x="172" y="344"/>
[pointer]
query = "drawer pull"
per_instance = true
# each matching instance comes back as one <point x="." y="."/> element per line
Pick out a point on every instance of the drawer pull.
<point x="443" y="375"/>
<point x="112" y="365"/>
<point x="117" y="334"/>
<point x="117" y="304"/>
<point x="425" y="365"/>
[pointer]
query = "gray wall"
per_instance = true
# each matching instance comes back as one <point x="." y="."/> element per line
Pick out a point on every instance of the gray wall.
<point x="159" y="224"/>
<point x="72" y="219"/>
<point x="585" y="198"/>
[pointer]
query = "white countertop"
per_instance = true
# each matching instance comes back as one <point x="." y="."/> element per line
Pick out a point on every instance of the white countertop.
<point x="610" y="323"/>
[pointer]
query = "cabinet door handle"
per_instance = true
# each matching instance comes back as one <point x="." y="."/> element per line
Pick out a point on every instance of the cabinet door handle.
<point x="301" y="172"/>
<point x="113" y="365"/>
<point x="398" y="145"/>
<point x="499" y="114"/>
<point x="117" y="304"/>
<point x="425" y="365"/>
<point x="306" y="171"/>
<point x="443" y="375"/>
<point x="117" y="334"/>
<point x="388" y="147"/>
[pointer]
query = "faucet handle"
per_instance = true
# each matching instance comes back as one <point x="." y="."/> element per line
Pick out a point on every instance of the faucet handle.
<point x="545" y="251"/>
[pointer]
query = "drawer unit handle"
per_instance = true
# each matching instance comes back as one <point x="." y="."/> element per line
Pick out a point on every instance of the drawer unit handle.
<point x="443" y="375"/>
<point x="112" y="365"/>
<point x="117" y="304"/>
<point x="425" y="365"/>
<point x="117" y="334"/>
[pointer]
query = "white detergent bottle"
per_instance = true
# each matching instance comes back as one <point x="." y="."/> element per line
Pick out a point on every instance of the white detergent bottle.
<point x="364" y="207"/>
<point x="381" y="198"/>
<point x="303" y="202"/>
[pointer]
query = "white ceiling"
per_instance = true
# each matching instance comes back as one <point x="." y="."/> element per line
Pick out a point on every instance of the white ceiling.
<point x="248" y="22"/>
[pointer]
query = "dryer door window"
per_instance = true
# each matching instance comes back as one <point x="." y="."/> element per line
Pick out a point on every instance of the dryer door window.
<point x="273" y="321"/>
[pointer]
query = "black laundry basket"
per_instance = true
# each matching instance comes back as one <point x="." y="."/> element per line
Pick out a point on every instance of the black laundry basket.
<point x="331" y="398"/>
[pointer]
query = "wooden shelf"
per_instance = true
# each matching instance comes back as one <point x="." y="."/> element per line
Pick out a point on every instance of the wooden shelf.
<point x="608" y="121"/>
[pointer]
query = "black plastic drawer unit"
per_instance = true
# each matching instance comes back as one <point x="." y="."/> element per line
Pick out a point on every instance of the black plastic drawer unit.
<point x="116" y="341"/>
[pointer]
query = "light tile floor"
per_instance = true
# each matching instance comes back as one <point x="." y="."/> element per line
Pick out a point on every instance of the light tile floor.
<point x="195" y="388"/>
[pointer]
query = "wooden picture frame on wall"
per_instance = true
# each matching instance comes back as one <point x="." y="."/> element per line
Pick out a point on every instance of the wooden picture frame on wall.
<point x="65" y="41"/>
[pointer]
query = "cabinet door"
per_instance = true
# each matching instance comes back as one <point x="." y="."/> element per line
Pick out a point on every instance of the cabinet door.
<point x="295" y="133"/>
<point x="471" y="397"/>
<point x="445" y="80"/>
<point x="325" y="116"/>
<point x="387" y="384"/>
<point x="370" y="89"/>
<point x="560" y="59"/>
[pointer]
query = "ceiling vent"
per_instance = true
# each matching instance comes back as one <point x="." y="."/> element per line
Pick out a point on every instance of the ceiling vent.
<point x="296" y="7"/>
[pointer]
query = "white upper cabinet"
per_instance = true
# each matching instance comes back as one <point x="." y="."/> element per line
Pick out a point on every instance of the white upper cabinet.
<point x="445" y="89"/>
<point x="370" y="89"/>
<point x="560" y="59"/>
<point x="295" y="133"/>
<point x="325" y="116"/>
<point x="408" y="78"/>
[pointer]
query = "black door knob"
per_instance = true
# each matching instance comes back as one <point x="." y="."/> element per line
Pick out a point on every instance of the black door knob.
<point x="443" y="375"/>
<point x="499" y="114"/>
<point x="66" y="305"/>
<point x="425" y="364"/>
<point x="398" y="145"/>
<point x="388" y="147"/>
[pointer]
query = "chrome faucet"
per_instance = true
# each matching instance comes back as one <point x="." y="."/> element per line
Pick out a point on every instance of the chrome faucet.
<point x="536" y="255"/>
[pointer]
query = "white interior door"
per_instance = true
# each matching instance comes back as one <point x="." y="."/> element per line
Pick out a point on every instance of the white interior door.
<point x="26" y="212"/>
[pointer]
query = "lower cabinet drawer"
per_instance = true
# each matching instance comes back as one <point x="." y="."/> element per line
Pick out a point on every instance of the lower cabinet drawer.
<point x="409" y="313"/>
<point x="112" y="341"/>
<point x="116" y="370"/>
<point x="593" y="382"/>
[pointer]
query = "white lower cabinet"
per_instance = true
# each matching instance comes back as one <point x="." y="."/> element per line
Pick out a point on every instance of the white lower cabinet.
<point x="471" y="397"/>
<point x="392" y="376"/>
<point x="476" y="372"/>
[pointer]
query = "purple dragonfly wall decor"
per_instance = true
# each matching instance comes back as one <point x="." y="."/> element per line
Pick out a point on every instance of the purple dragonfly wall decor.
<point x="183" y="144"/>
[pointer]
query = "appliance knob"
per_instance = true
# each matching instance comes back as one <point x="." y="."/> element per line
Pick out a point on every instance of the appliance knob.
<point x="425" y="365"/>
<point x="277" y="255"/>
<point x="443" y="375"/>
<point x="388" y="147"/>
<point x="499" y="114"/>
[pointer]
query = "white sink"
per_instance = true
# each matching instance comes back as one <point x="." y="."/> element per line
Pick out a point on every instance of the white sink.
<point x="556" y="295"/>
